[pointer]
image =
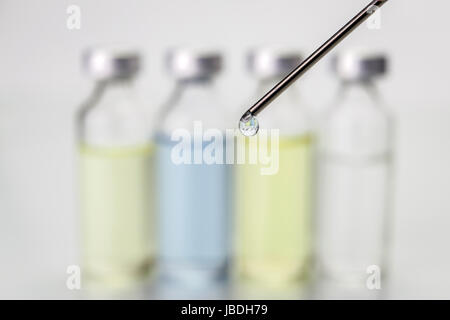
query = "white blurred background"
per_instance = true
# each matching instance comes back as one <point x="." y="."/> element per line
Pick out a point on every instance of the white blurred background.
<point x="41" y="86"/>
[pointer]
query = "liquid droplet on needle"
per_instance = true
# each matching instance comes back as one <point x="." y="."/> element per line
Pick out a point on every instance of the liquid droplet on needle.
<point x="248" y="125"/>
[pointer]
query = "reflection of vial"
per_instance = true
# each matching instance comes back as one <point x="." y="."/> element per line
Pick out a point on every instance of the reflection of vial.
<point x="193" y="194"/>
<point x="115" y="175"/>
<point x="273" y="240"/>
<point x="354" y="173"/>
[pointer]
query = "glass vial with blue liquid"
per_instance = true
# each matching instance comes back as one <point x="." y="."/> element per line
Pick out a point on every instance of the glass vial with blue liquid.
<point x="355" y="171"/>
<point x="193" y="202"/>
<point x="116" y="165"/>
<point x="273" y="211"/>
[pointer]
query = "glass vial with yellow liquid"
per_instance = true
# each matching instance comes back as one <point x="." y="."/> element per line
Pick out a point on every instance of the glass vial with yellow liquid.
<point x="354" y="170"/>
<point x="273" y="218"/>
<point x="116" y="159"/>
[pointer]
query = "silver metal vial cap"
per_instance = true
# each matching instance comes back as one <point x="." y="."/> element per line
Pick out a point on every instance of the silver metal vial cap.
<point x="111" y="63"/>
<point x="359" y="65"/>
<point x="185" y="64"/>
<point x="272" y="62"/>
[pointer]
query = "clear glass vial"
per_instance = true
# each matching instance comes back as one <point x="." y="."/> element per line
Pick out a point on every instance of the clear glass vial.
<point x="354" y="167"/>
<point x="193" y="196"/>
<point x="116" y="159"/>
<point x="273" y="211"/>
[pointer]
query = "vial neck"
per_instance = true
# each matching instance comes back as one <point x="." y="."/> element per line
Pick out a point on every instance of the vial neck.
<point x="358" y="89"/>
<point x="114" y="90"/>
<point x="266" y="84"/>
<point x="194" y="89"/>
<point x="195" y="85"/>
<point x="191" y="100"/>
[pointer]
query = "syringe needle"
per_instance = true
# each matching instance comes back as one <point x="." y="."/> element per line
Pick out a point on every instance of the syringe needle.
<point x="248" y="119"/>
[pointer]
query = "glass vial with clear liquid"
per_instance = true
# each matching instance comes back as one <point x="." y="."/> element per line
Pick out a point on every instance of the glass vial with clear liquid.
<point x="273" y="211"/>
<point x="354" y="170"/>
<point x="116" y="163"/>
<point x="193" y="195"/>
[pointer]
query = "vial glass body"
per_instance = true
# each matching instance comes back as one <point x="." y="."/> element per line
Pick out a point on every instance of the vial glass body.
<point x="355" y="171"/>
<point x="193" y="193"/>
<point x="116" y="168"/>
<point x="273" y="211"/>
